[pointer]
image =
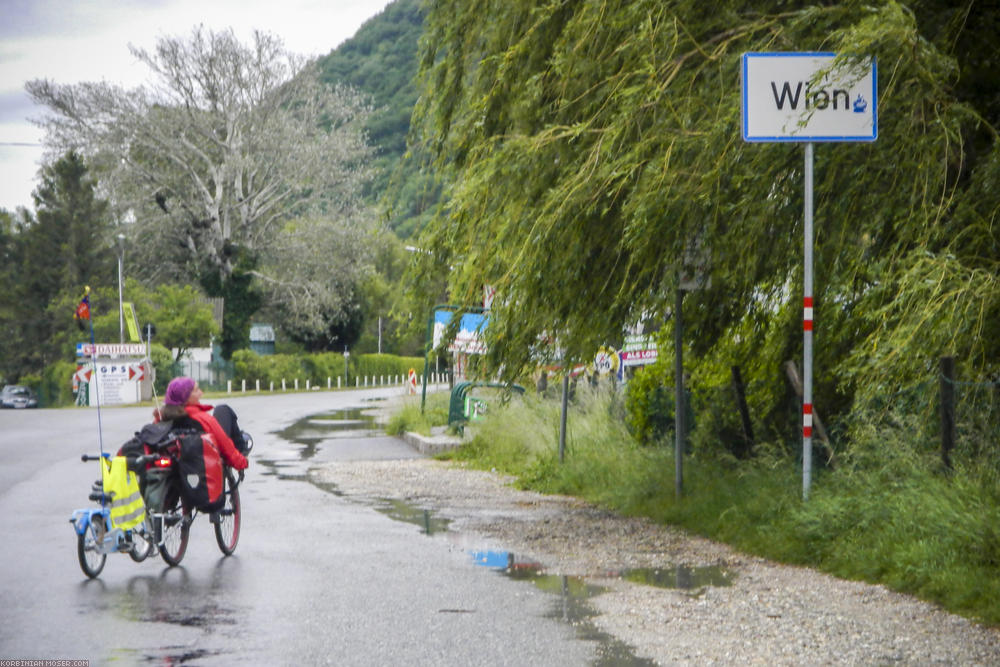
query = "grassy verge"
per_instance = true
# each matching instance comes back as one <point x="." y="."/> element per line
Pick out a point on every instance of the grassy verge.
<point x="411" y="418"/>
<point x="890" y="518"/>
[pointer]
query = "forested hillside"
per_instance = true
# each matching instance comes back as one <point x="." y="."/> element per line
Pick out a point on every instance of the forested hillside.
<point x="381" y="60"/>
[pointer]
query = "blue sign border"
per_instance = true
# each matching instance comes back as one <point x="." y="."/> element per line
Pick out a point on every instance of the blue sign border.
<point x="805" y="139"/>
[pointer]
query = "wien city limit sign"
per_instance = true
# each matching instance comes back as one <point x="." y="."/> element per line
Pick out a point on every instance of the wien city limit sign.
<point x="807" y="98"/>
<point x="801" y="97"/>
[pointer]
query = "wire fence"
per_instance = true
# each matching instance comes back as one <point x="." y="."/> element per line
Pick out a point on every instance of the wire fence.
<point x="210" y="375"/>
<point x="957" y="421"/>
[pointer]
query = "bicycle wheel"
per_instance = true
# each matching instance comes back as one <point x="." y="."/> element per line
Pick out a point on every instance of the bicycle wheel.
<point x="91" y="560"/>
<point x="176" y="528"/>
<point x="227" y="520"/>
<point x="142" y="544"/>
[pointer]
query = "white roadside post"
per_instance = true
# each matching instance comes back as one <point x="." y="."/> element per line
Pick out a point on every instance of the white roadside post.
<point x="807" y="98"/>
<point x="121" y="309"/>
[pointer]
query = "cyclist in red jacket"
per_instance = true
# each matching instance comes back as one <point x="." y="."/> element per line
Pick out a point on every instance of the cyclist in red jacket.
<point x="183" y="399"/>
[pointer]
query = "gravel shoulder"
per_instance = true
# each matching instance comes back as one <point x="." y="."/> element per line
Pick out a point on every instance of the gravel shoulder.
<point x="770" y="614"/>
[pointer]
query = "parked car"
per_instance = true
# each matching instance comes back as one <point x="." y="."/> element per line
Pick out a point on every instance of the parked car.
<point x="17" y="396"/>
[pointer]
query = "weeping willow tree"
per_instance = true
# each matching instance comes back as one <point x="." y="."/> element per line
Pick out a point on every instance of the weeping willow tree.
<point x="592" y="148"/>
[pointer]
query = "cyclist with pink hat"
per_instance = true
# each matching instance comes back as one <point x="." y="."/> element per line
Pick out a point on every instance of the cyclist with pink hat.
<point x="183" y="402"/>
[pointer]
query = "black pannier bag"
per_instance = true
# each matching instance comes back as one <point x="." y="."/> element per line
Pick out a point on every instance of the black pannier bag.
<point x="200" y="472"/>
<point x="153" y="482"/>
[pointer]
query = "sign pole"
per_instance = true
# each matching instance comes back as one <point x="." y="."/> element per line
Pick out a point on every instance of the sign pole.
<point x="562" y="413"/>
<point x="807" y="326"/>
<point x="679" y="407"/>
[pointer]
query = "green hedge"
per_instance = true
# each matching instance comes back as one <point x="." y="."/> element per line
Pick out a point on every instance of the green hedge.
<point x="316" y="368"/>
<point x="250" y="366"/>
<point x="164" y="366"/>
<point x="55" y="386"/>
<point x="375" y="365"/>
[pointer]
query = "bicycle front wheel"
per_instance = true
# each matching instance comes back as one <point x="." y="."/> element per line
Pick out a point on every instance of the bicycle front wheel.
<point x="227" y="520"/>
<point x="87" y="550"/>
<point x="142" y="544"/>
<point x="176" y="528"/>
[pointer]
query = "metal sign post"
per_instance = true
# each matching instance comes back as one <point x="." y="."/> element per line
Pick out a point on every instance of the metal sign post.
<point x="680" y="428"/>
<point x="807" y="325"/>
<point x="803" y="97"/>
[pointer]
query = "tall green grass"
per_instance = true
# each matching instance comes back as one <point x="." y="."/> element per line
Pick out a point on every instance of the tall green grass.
<point x="886" y="514"/>
<point x="411" y="418"/>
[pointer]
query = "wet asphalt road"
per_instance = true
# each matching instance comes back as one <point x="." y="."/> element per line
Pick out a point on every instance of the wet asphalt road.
<point x="315" y="579"/>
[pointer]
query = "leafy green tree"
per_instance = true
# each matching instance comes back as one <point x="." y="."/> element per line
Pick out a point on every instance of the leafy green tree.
<point x="10" y="264"/>
<point x="386" y="304"/>
<point x="50" y="257"/>
<point x="593" y="148"/>
<point x="181" y="314"/>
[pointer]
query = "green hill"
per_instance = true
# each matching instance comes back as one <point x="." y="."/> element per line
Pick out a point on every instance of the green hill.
<point x="381" y="60"/>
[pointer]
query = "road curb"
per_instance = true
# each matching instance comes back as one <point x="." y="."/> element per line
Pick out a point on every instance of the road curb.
<point x="439" y="441"/>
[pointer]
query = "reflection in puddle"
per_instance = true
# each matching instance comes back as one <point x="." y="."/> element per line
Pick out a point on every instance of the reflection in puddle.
<point x="274" y="468"/>
<point x="173" y="598"/>
<point x="346" y="423"/>
<point x="171" y="655"/>
<point x="402" y="511"/>
<point x="682" y="577"/>
<point x="309" y="432"/>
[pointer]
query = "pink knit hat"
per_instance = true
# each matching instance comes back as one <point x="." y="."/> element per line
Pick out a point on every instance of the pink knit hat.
<point x="178" y="391"/>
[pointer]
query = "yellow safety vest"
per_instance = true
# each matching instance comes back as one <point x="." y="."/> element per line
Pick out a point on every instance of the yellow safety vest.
<point x="127" y="508"/>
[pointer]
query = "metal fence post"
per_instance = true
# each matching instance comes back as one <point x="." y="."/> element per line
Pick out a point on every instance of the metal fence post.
<point x="947" y="409"/>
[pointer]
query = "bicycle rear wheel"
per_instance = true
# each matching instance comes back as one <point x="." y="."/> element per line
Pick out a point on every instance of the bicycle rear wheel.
<point x="87" y="545"/>
<point x="175" y="531"/>
<point x="227" y="520"/>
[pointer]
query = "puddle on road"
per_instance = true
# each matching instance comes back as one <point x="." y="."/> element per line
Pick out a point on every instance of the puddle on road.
<point x="172" y="598"/>
<point x="310" y="432"/>
<point x="346" y="423"/>
<point x="681" y="577"/>
<point x="402" y="511"/>
<point x="171" y="655"/>
<point x="570" y="605"/>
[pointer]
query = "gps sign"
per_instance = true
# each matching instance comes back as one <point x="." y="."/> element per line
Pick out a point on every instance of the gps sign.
<point x="808" y="97"/>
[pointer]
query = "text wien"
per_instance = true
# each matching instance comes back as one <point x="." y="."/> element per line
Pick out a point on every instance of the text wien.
<point x="820" y="99"/>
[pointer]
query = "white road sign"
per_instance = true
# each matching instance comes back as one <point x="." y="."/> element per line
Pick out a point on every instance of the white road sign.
<point x="111" y="350"/>
<point x="800" y="97"/>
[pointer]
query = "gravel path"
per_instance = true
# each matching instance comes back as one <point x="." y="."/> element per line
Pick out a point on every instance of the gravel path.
<point x="770" y="614"/>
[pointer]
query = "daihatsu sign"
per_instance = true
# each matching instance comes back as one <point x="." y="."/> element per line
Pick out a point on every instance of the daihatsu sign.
<point x="803" y="97"/>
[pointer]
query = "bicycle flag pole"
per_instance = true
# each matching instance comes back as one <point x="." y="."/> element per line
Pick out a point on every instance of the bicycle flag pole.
<point x="83" y="313"/>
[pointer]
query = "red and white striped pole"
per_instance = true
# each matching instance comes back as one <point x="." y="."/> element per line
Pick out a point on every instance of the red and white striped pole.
<point x="807" y="327"/>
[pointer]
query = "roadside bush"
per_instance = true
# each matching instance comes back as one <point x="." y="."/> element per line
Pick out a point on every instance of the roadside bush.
<point x="250" y="366"/>
<point x="319" y="367"/>
<point x="55" y="386"/>
<point x="649" y="404"/>
<point x="164" y="367"/>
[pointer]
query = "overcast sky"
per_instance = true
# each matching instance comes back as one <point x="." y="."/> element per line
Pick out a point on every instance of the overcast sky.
<point x="69" y="41"/>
